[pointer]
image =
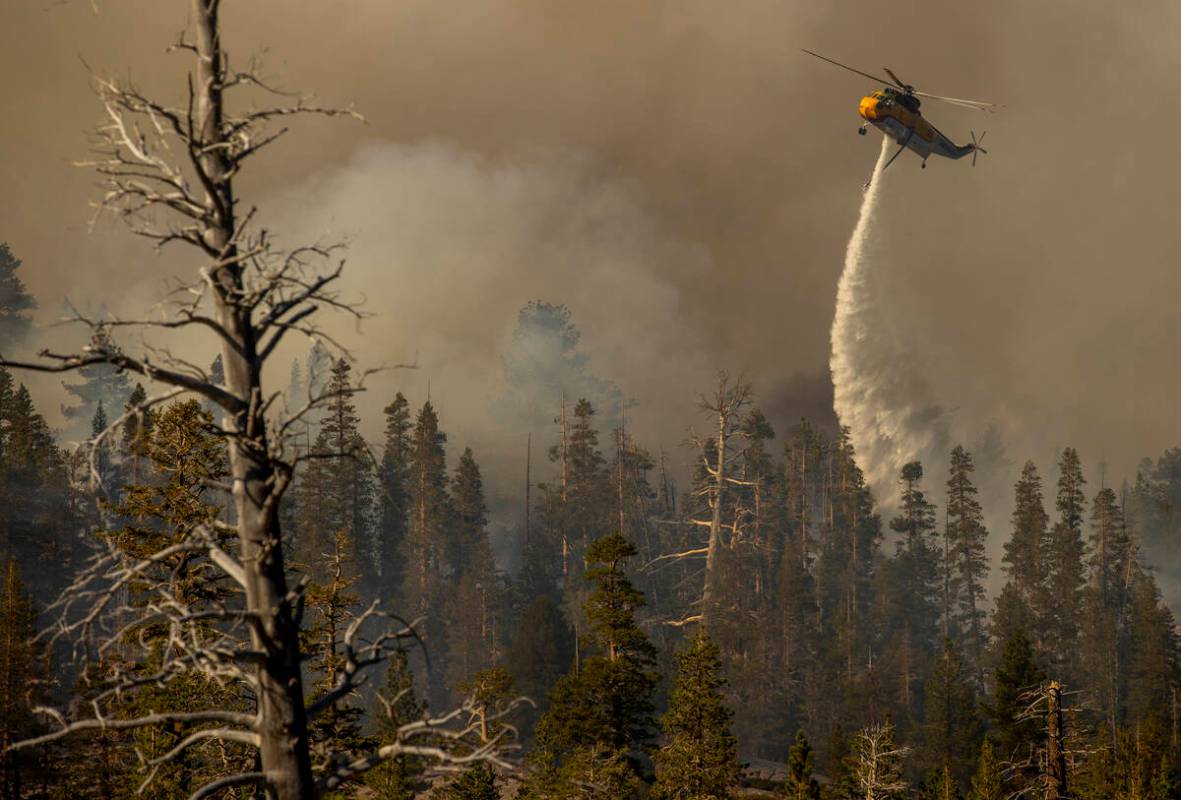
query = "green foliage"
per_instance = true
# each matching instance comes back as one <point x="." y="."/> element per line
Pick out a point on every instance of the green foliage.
<point x="180" y="459"/>
<point x="100" y="383"/>
<point x="953" y="728"/>
<point x="1016" y="734"/>
<point x="800" y="785"/>
<point x="967" y="567"/>
<point x="939" y="785"/>
<point x="335" y="491"/>
<point x="474" y="616"/>
<point x="602" y="712"/>
<point x="424" y="550"/>
<point x="400" y="777"/>
<point x="39" y="513"/>
<point x="1027" y="550"/>
<point x="15" y="301"/>
<point x="1066" y="573"/>
<point x="22" y="684"/>
<point x="540" y="653"/>
<point x="393" y="493"/>
<point x="477" y="783"/>
<point x="907" y="609"/>
<point x="987" y="783"/>
<point x="1167" y="783"/>
<point x="337" y="730"/>
<point x="698" y="759"/>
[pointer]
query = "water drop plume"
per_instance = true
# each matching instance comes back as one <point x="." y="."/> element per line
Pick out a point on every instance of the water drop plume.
<point x="879" y="390"/>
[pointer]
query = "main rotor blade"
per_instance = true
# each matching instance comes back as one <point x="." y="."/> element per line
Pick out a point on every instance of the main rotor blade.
<point x="906" y="87"/>
<point x="843" y="66"/>
<point x="957" y="101"/>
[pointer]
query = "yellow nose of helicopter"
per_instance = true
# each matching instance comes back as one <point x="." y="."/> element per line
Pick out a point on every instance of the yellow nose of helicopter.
<point x="868" y="108"/>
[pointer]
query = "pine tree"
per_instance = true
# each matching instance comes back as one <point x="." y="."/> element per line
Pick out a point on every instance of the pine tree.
<point x="38" y="505"/>
<point x="698" y="760"/>
<point x="541" y="652"/>
<point x="800" y="785"/>
<point x="473" y="629"/>
<point x="476" y="783"/>
<point x="1106" y="601"/>
<point x="471" y="514"/>
<point x="333" y="605"/>
<point x="102" y="460"/>
<point x="22" y="684"/>
<point x="335" y="492"/>
<point x="987" y="783"/>
<point x="400" y="777"/>
<point x="101" y="383"/>
<point x="1027" y="551"/>
<point x="544" y="366"/>
<point x="953" y="728"/>
<point x="1167" y="783"/>
<point x="393" y="480"/>
<point x="181" y="459"/>
<point x="577" y="509"/>
<point x="136" y="437"/>
<point x="968" y="562"/>
<point x="1152" y="657"/>
<point x="425" y="547"/>
<point x="1017" y="736"/>
<point x="1065" y="572"/>
<point x="296" y="395"/>
<point x="907" y="592"/>
<point x="940" y="785"/>
<point x="15" y="301"/>
<point x="600" y="716"/>
<point x="488" y="692"/>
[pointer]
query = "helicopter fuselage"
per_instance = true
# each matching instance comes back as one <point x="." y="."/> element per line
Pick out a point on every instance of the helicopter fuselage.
<point x="897" y="115"/>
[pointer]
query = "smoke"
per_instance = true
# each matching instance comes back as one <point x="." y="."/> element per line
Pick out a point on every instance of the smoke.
<point x="879" y="389"/>
<point x="446" y="247"/>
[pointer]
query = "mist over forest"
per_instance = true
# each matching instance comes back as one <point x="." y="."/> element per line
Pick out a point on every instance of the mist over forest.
<point x="499" y="420"/>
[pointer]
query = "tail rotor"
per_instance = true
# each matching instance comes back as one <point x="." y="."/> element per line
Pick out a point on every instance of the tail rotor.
<point x="976" y="148"/>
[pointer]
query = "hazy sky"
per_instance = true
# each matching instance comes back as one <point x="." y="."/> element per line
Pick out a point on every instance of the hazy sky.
<point x="683" y="178"/>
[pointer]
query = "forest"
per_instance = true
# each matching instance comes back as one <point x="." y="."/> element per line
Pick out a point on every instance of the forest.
<point x="227" y="591"/>
<point x="762" y="629"/>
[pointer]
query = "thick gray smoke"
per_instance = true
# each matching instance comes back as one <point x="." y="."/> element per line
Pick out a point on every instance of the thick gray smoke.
<point x="879" y="388"/>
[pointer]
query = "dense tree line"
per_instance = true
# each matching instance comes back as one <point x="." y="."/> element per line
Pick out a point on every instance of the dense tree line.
<point x="855" y="664"/>
<point x="764" y="613"/>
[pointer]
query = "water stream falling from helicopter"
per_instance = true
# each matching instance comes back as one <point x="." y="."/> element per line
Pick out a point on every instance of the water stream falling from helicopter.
<point x="879" y="389"/>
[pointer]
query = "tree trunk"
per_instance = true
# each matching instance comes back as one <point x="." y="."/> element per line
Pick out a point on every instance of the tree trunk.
<point x="1055" y="753"/>
<point x="715" y="521"/>
<point x="283" y="723"/>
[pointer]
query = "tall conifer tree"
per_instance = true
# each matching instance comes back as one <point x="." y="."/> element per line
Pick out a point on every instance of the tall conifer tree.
<point x="968" y="562"/>
<point x="393" y="481"/>
<point x="1066" y="575"/>
<point x="600" y="716"/>
<point x="699" y="758"/>
<point x="424" y="549"/>
<point x="1027" y="551"/>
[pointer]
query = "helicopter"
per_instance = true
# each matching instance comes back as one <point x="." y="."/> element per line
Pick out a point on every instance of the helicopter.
<point x="894" y="110"/>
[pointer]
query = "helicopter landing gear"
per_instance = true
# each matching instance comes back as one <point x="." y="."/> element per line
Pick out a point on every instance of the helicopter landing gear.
<point x="861" y="130"/>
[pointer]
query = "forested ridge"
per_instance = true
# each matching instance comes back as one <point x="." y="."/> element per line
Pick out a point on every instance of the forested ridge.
<point x="761" y="628"/>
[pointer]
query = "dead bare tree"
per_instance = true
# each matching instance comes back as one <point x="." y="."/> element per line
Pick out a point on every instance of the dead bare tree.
<point x="725" y="407"/>
<point x="169" y="172"/>
<point x="1044" y="772"/>
<point x="877" y="765"/>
